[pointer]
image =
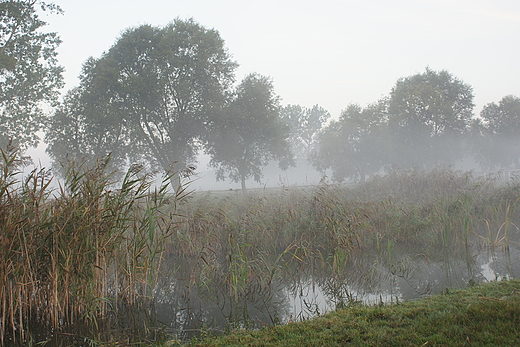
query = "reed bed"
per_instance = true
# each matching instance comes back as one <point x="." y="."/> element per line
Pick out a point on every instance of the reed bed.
<point x="240" y="248"/>
<point x="80" y="259"/>
<point x="92" y="258"/>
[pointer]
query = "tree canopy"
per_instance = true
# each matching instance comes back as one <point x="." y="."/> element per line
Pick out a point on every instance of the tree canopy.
<point x="249" y="133"/>
<point x="355" y="145"/>
<point x="29" y="72"/>
<point x="75" y="138"/>
<point x="304" y="125"/>
<point x="157" y="88"/>
<point x="428" y="113"/>
<point x="421" y="124"/>
<point x="499" y="144"/>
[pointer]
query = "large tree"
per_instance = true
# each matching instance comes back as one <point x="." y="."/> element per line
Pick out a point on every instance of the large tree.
<point x="356" y="145"/>
<point x="249" y="133"/>
<point x="159" y="87"/>
<point x="29" y="72"/>
<point x="428" y="114"/>
<point x="499" y="144"/>
<point x="74" y="138"/>
<point x="304" y="125"/>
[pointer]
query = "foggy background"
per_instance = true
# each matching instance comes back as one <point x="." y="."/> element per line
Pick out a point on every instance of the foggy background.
<point x="330" y="53"/>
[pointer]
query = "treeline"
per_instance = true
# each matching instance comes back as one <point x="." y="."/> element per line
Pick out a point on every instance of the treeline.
<point x="160" y="96"/>
<point x="427" y="120"/>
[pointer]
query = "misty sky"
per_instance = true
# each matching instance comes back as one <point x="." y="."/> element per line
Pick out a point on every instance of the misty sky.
<point x="330" y="53"/>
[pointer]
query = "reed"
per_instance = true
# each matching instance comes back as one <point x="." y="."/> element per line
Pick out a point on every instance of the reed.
<point x="75" y="256"/>
<point x="92" y="255"/>
<point x="238" y="246"/>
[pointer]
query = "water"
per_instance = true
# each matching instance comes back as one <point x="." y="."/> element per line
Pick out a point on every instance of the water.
<point x="188" y="308"/>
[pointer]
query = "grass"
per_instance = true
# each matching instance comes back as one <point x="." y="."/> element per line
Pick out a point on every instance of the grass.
<point x="88" y="260"/>
<point x="484" y="315"/>
<point x="82" y="259"/>
<point x="342" y="238"/>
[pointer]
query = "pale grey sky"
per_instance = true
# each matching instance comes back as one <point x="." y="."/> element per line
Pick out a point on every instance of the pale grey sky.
<point x="328" y="52"/>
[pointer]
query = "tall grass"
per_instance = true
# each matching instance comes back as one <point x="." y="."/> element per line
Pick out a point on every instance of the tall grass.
<point x="89" y="258"/>
<point x="339" y="237"/>
<point x="74" y="257"/>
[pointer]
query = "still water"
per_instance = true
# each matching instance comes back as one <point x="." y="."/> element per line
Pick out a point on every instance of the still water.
<point x="186" y="307"/>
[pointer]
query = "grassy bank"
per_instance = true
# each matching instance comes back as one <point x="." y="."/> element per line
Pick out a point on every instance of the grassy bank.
<point x="485" y="315"/>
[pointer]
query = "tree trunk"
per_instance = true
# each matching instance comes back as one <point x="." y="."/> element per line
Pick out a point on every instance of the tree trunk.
<point x="243" y="181"/>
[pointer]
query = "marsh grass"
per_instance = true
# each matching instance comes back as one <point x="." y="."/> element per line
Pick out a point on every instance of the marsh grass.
<point x="80" y="260"/>
<point x="242" y="249"/>
<point x="88" y="259"/>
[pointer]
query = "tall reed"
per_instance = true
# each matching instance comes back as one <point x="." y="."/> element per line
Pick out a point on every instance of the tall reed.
<point x="74" y="256"/>
<point x="337" y="237"/>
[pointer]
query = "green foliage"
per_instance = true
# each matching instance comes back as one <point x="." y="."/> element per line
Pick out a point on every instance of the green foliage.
<point x="249" y="133"/>
<point x="304" y="124"/>
<point x="155" y="90"/>
<point x="29" y="72"/>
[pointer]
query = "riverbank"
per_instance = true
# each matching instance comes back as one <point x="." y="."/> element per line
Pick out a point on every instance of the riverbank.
<point x="483" y="315"/>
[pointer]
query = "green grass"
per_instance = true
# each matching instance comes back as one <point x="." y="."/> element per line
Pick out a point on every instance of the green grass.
<point x="485" y="315"/>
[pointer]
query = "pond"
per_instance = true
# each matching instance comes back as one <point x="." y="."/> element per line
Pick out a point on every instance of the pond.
<point x="177" y="268"/>
<point x="187" y="308"/>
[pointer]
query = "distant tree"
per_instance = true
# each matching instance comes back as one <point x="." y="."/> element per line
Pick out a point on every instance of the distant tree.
<point x="499" y="146"/>
<point x="29" y="72"/>
<point x="249" y="134"/>
<point x="304" y="124"/>
<point x="356" y="145"/>
<point x="503" y="118"/>
<point x="428" y="113"/>
<point x="158" y="87"/>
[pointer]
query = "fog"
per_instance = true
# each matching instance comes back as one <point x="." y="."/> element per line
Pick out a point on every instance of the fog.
<point x="331" y="55"/>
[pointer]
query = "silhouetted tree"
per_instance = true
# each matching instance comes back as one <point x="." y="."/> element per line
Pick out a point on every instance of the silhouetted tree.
<point x="428" y="114"/>
<point x="157" y="88"/>
<point x="249" y="133"/>
<point x="29" y="72"/>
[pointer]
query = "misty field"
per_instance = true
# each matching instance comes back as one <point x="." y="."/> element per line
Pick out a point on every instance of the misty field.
<point x="99" y="262"/>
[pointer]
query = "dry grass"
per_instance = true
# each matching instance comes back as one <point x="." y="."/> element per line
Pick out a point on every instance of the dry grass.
<point x="73" y="258"/>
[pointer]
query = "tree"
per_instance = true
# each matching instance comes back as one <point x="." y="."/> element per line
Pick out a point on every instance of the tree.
<point x="75" y="138"/>
<point x="499" y="146"/>
<point x="304" y="124"/>
<point x="29" y="71"/>
<point x="428" y="114"/>
<point x="356" y="145"/>
<point x="249" y="133"/>
<point x="159" y="87"/>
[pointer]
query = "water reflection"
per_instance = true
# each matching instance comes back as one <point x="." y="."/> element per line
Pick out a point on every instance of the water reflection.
<point x="189" y="306"/>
